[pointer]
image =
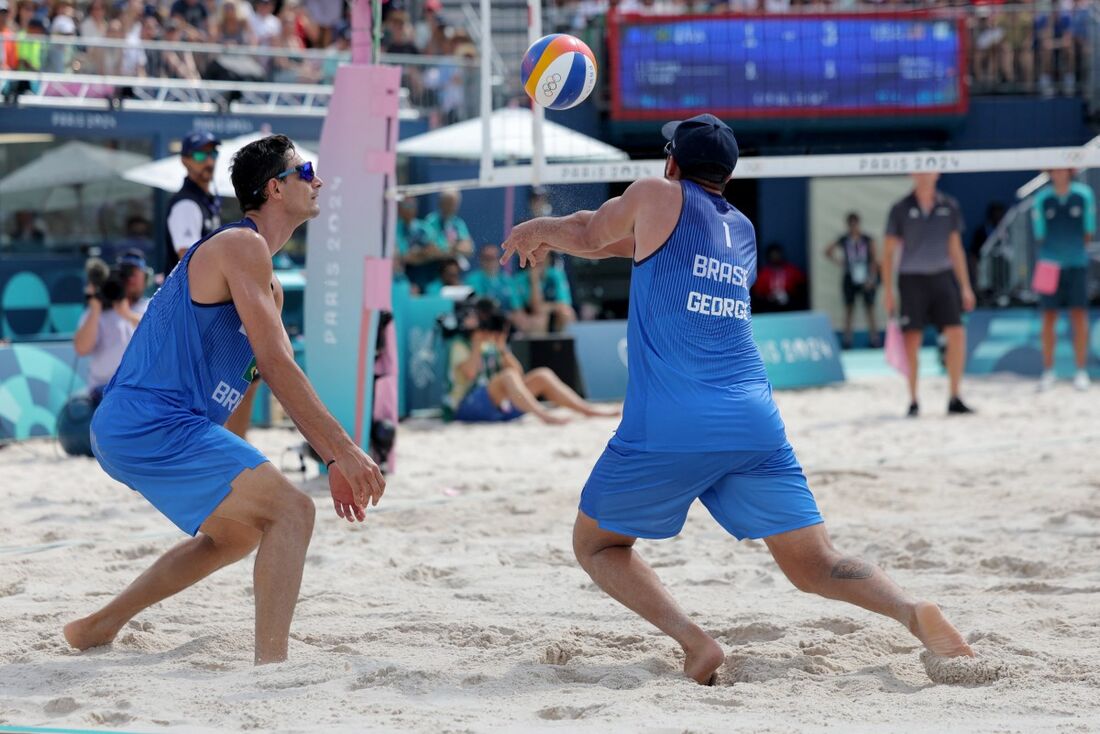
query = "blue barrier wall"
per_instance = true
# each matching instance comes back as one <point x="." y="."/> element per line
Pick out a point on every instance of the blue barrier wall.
<point x="1008" y="341"/>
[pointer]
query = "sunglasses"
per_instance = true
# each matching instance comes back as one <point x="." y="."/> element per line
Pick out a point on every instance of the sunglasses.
<point x="668" y="148"/>
<point x="201" y="156"/>
<point x="304" y="171"/>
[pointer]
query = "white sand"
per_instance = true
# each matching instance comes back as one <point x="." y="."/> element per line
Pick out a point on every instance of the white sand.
<point x="459" y="607"/>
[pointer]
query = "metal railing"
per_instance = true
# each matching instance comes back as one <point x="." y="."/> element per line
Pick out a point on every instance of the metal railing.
<point x="218" y="77"/>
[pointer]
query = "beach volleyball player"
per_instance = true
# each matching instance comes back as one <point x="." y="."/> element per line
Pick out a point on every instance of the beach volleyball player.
<point x="699" y="421"/>
<point x="207" y="331"/>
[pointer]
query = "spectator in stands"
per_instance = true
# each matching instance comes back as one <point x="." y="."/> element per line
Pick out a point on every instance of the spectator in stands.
<point x="154" y="57"/>
<point x="1063" y="217"/>
<point x="447" y="231"/>
<point x="113" y="312"/>
<point x="290" y="69"/>
<point x="304" y="27"/>
<point x="430" y="20"/>
<point x="439" y="37"/>
<point x="780" y="285"/>
<point x="112" y="57"/>
<point x="177" y="64"/>
<point x="231" y="29"/>
<point x="8" y="57"/>
<point x="134" y="60"/>
<point x="326" y="16"/>
<point x="410" y="241"/>
<point x="493" y="283"/>
<point x="398" y="37"/>
<point x="855" y="252"/>
<point x="24" y="11"/>
<point x="193" y="211"/>
<point x="31" y="47"/>
<point x="193" y="14"/>
<point x="1019" y="47"/>
<point x="265" y="26"/>
<point x="543" y="292"/>
<point x="487" y="382"/>
<point x="94" y="28"/>
<point x="1054" y="43"/>
<point x="1080" y="23"/>
<point x="337" y="53"/>
<point x="59" y="56"/>
<point x="449" y="275"/>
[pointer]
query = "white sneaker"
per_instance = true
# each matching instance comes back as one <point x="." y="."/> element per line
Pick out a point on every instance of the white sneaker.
<point x="1046" y="381"/>
<point x="1081" y="380"/>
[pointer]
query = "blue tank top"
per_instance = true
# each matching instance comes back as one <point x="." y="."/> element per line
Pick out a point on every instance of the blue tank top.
<point x="697" y="381"/>
<point x="190" y="355"/>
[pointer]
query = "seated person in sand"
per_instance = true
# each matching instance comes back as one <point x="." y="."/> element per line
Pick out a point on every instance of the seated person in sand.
<point x="488" y="383"/>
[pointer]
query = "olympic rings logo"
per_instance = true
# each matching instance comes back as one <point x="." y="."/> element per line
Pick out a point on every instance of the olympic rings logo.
<point x="551" y="85"/>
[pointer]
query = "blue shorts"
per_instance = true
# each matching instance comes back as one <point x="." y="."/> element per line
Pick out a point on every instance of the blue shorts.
<point x="752" y="494"/>
<point x="478" y="407"/>
<point x="1073" y="291"/>
<point x="181" y="462"/>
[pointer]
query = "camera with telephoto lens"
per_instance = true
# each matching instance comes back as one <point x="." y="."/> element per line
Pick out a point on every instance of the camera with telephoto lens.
<point x="108" y="283"/>
<point x="470" y="315"/>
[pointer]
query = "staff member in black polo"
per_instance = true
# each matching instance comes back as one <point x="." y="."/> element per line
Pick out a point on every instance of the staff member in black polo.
<point x="933" y="281"/>
<point x="193" y="211"/>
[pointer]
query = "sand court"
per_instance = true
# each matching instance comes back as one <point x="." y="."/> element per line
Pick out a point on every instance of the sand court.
<point x="459" y="606"/>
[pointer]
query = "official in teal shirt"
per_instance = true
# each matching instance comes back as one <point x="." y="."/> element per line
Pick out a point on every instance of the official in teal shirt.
<point x="1063" y="218"/>
<point x="543" y="293"/>
<point x="492" y="282"/>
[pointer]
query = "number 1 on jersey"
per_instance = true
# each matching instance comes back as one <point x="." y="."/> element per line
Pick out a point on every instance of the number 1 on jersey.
<point x="729" y="242"/>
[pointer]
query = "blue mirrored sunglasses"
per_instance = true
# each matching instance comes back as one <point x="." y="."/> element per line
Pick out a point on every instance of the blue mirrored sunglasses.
<point x="304" y="171"/>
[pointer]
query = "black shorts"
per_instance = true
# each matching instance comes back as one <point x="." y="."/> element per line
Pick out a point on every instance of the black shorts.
<point x="929" y="300"/>
<point x="852" y="291"/>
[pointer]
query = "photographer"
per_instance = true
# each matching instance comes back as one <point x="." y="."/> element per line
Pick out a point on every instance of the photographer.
<point x="116" y="303"/>
<point x="488" y="383"/>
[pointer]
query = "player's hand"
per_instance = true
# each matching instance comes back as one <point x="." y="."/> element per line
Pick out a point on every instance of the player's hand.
<point x="523" y="242"/>
<point x="968" y="299"/>
<point x="364" y="483"/>
<point x="888" y="302"/>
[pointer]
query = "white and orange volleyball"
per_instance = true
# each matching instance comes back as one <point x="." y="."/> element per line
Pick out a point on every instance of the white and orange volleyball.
<point x="559" y="71"/>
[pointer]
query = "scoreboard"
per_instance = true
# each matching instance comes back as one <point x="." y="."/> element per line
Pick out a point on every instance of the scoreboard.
<point x="787" y="66"/>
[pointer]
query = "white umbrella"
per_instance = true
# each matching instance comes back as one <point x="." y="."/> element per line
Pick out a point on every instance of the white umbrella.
<point x="512" y="140"/>
<point x="169" y="173"/>
<point x="72" y="164"/>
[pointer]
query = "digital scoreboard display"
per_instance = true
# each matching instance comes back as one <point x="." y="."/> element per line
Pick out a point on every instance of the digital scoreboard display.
<point x="784" y="66"/>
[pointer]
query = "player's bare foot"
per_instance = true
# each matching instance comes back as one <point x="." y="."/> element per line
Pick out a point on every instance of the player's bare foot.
<point x="940" y="636"/>
<point x="702" y="660"/>
<point x="90" y="632"/>
<point x="603" y="413"/>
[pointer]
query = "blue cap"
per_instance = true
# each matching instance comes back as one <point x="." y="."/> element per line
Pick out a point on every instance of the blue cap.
<point x="702" y="147"/>
<point x="198" y="139"/>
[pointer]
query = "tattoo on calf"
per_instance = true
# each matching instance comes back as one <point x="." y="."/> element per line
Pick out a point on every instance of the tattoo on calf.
<point x="852" y="568"/>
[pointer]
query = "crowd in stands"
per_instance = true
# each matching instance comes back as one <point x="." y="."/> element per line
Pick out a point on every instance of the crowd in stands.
<point x="434" y="253"/>
<point x="275" y="31"/>
<point x="1034" y="45"/>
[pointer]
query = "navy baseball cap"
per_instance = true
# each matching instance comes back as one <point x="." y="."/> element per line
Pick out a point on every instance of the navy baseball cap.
<point x="198" y="139"/>
<point x="702" y="146"/>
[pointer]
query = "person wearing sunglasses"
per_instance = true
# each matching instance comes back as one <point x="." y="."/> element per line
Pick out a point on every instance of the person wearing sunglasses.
<point x="193" y="211"/>
<point x="212" y="326"/>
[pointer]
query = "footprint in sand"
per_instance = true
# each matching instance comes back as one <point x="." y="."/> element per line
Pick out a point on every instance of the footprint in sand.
<point x="559" y="713"/>
<point x="60" y="706"/>
<point x="963" y="671"/>
<point x="754" y="632"/>
<point x="836" y="625"/>
<point x="559" y="653"/>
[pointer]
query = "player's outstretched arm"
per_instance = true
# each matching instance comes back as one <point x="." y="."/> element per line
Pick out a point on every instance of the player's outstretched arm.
<point x="606" y="232"/>
<point x="249" y="277"/>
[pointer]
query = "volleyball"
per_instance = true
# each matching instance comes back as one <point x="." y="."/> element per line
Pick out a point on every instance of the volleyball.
<point x="559" y="71"/>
